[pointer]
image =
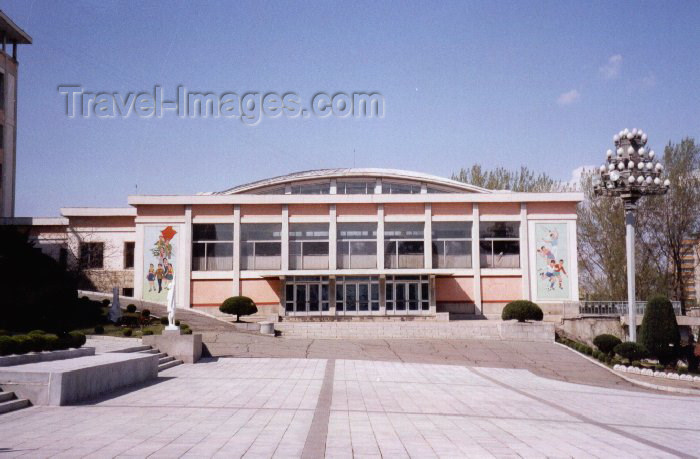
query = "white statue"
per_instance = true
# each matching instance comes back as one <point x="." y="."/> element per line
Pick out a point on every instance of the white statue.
<point x="115" y="311"/>
<point x="171" y="307"/>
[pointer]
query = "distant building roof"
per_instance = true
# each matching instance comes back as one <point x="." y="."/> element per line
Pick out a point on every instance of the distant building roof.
<point x="13" y="33"/>
<point x="350" y="173"/>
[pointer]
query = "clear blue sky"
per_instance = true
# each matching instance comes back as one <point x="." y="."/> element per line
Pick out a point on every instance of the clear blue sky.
<point x="542" y="84"/>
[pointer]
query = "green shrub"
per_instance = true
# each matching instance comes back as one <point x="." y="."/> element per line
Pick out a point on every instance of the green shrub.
<point x="37" y="332"/>
<point x="238" y="306"/>
<point x="64" y="341"/>
<point x="147" y="332"/>
<point x="631" y="351"/>
<point x="522" y="310"/>
<point x="131" y="308"/>
<point x="127" y="332"/>
<point x="78" y="339"/>
<point x="682" y="370"/>
<point x="636" y="363"/>
<point x="164" y="321"/>
<point x="659" y="367"/>
<point x="589" y="350"/>
<point x="659" y="332"/>
<point x="146" y="313"/>
<point x="187" y="331"/>
<point x="177" y="322"/>
<point x="7" y="345"/>
<point x="184" y="326"/>
<point x="105" y="302"/>
<point x="51" y="342"/>
<point x="99" y="330"/>
<point x="23" y="344"/>
<point x="606" y="342"/>
<point x="36" y="342"/>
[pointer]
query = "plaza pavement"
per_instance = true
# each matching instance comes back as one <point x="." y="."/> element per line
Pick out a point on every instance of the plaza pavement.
<point x="309" y="407"/>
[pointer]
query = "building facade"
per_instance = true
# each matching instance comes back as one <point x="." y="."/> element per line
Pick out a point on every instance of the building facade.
<point x="11" y="35"/>
<point x="332" y="243"/>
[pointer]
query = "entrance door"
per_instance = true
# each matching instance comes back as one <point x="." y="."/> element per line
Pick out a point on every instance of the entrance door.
<point x="307" y="296"/>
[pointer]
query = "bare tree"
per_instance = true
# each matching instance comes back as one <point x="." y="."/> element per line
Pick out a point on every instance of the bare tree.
<point x="501" y="178"/>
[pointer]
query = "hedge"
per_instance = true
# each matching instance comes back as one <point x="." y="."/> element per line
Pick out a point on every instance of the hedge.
<point x="522" y="310"/>
<point x="22" y="344"/>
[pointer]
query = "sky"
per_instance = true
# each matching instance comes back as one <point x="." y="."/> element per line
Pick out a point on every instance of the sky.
<point x="540" y="84"/>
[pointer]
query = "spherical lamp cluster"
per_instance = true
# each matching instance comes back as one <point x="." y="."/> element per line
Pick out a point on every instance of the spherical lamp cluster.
<point x="630" y="170"/>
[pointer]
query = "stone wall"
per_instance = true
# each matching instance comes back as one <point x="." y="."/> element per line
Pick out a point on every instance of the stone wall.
<point x="477" y="329"/>
<point x="586" y="328"/>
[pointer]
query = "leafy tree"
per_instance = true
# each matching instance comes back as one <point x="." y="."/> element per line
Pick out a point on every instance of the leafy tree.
<point x="659" y="332"/>
<point x="501" y="178"/>
<point x="238" y="305"/>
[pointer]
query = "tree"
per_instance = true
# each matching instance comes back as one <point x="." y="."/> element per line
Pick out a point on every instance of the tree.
<point x="501" y="178"/>
<point x="659" y="332"/>
<point x="238" y="305"/>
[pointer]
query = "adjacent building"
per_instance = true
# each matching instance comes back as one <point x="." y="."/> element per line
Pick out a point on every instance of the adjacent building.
<point x="331" y="243"/>
<point x="11" y="35"/>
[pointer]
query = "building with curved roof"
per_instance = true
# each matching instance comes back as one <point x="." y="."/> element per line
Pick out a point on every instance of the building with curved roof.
<point x="335" y="243"/>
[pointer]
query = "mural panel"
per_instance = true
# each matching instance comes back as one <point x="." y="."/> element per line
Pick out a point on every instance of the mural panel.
<point x="552" y="261"/>
<point x="159" y="261"/>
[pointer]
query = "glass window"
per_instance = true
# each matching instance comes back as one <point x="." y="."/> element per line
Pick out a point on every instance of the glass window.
<point x="212" y="247"/>
<point x="357" y="245"/>
<point x="92" y="255"/>
<point x="452" y="244"/>
<point x="129" y="255"/>
<point x="261" y="246"/>
<point x="355" y="187"/>
<point x="306" y="295"/>
<point x="400" y="188"/>
<point x="407" y="294"/>
<point x="312" y="188"/>
<point x="499" y="244"/>
<point x="403" y="245"/>
<point x="356" y="294"/>
<point x="308" y="246"/>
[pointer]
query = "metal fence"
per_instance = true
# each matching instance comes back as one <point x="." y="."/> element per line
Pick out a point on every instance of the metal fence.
<point x="615" y="308"/>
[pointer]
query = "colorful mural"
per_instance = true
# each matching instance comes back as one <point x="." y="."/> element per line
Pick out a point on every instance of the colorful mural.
<point x="552" y="249"/>
<point x="160" y="259"/>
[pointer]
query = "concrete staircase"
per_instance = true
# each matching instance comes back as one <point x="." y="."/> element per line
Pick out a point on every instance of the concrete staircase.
<point x="164" y="360"/>
<point x="10" y="402"/>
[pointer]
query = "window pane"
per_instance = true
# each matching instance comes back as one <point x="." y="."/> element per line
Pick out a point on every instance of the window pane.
<point x="128" y="255"/>
<point x="212" y="232"/>
<point x="198" y="260"/>
<point x="355" y="187"/>
<point x="312" y="188"/>
<point x="308" y="231"/>
<point x="315" y="248"/>
<point x="219" y="257"/>
<point x="506" y="254"/>
<point x="510" y="230"/>
<point x="400" y="188"/>
<point x="452" y="230"/>
<point x="357" y="231"/>
<point x="261" y="232"/>
<point x="403" y="231"/>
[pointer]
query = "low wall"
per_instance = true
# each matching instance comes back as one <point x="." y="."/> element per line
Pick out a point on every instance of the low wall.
<point x="187" y="348"/>
<point x="586" y="328"/>
<point x="62" y="382"/>
<point x="34" y="357"/>
<point x="476" y="329"/>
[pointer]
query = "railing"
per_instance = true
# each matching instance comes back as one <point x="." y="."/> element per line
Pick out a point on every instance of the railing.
<point x="615" y="308"/>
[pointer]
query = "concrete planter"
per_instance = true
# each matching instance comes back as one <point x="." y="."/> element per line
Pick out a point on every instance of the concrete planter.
<point x="187" y="348"/>
<point x="46" y="356"/>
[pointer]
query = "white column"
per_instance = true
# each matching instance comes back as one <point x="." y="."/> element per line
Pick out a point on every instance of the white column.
<point x="332" y="239"/>
<point x="285" y="237"/>
<point x="476" y="258"/>
<point x="236" y="249"/>
<point x="184" y="283"/>
<point x="428" y="237"/>
<point x="524" y="252"/>
<point x="380" y="236"/>
<point x="631" y="301"/>
<point x="138" y="261"/>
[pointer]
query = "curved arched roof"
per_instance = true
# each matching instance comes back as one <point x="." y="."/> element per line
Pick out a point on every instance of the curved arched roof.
<point x="354" y="173"/>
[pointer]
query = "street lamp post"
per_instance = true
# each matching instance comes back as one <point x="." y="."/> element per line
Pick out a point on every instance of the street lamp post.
<point x="629" y="173"/>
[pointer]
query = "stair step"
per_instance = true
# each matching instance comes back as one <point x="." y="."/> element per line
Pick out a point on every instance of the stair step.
<point x="134" y="349"/>
<point x="5" y="396"/>
<point x="161" y="355"/>
<point x="172" y="363"/>
<point x="12" y="405"/>
<point x="163" y="360"/>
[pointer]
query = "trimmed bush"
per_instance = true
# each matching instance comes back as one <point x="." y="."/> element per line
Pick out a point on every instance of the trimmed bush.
<point x="659" y="332"/>
<point x="177" y="322"/>
<point x="146" y="313"/>
<point x="187" y="331"/>
<point x="23" y="344"/>
<point x="7" y="345"/>
<point x="606" y="342"/>
<point x="64" y="341"/>
<point x="131" y="308"/>
<point x="78" y="339"/>
<point x="105" y="302"/>
<point x="184" y="326"/>
<point x="147" y="332"/>
<point x="37" y="332"/>
<point x="36" y="342"/>
<point x="631" y="351"/>
<point x="164" y="321"/>
<point x="51" y="342"/>
<point x="99" y="330"/>
<point x="682" y="371"/>
<point x="659" y="367"/>
<point x="238" y="306"/>
<point x="522" y="310"/>
<point x="127" y="332"/>
<point x="636" y="363"/>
